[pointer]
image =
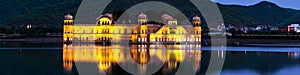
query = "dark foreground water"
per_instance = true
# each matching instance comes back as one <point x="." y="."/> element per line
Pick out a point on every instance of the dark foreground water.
<point x="61" y="60"/>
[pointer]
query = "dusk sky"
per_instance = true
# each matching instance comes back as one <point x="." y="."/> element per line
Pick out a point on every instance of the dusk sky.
<point x="295" y="4"/>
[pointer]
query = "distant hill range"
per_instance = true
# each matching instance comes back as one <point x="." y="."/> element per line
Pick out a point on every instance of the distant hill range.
<point x="51" y="12"/>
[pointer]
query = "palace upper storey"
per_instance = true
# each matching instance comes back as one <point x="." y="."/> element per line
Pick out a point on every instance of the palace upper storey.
<point x="105" y="30"/>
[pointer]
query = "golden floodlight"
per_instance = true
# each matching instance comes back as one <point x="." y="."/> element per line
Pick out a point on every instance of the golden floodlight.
<point x="105" y="31"/>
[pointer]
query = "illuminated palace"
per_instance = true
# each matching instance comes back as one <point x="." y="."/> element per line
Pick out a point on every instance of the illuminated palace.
<point x="143" y="32"/>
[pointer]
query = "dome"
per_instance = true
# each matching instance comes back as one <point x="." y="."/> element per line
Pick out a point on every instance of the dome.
<point x="196" y="18"/>
<point x="142" y="16"/>
<point x="108" y="15"/>
<point x="68" y="17"/>
<point x="167" y="17"/>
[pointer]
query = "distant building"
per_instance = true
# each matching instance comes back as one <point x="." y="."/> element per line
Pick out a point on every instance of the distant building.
<point x="294" y="27"/>
<point x="229" y="27"/>
<point x="259" y="28"/>
<point x="274" y="28"/>
<point x="283" y="29"/>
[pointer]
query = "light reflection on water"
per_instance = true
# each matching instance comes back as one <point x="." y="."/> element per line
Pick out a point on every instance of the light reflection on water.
<point x="108" y="57"/>
<point x="59" y="60"/>
<point x="284" y="71"/>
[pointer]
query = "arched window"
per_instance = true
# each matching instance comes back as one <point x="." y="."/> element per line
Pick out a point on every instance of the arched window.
<point x="166" y="39"/>
<point x="125" y="31"/>
<point x="132" y="31"/>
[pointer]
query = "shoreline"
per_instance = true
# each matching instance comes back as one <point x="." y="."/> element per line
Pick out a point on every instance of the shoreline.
<point x="246" y="40"/>
<point x="37" y="39"/>
<point x="206" y="41"/>
<point x="205" y="48"/>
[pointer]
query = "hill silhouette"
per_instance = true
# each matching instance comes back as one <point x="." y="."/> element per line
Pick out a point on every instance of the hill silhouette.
<point x="51" y="12"/>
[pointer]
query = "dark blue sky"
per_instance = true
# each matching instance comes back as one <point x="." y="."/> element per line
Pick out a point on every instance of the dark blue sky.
<point x="294" y="4"/>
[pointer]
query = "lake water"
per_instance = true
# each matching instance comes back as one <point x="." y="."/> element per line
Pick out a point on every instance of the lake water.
<point x="62" y="59"/>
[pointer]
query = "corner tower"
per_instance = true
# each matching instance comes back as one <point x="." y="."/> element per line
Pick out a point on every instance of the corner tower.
<point x="142" y="18"/>
<point x="196" y="21"/>
<point x="197" y="28"/>
<point x="68" y="28"/>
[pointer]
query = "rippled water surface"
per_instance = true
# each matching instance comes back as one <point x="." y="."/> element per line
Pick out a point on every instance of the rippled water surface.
<point x="61" y="59"/>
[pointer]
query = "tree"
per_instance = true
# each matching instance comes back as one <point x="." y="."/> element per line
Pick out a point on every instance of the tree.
<point x="240" y="32"/>
<point x="292" y="33"/>
<point x="276" y="32"/>
<point x="232" y="31"/>
<point x="298" y="34"/>
<point x="2" y="29"/>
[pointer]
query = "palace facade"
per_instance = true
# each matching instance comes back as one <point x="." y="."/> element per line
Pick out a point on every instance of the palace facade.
<point x="105" y="30"/>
